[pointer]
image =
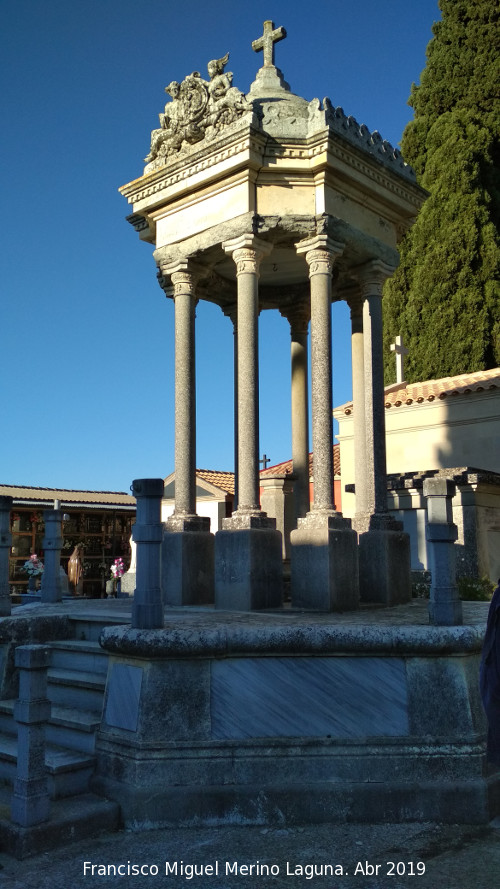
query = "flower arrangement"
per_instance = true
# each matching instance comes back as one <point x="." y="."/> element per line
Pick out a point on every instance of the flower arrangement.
<point x="34" y="566"/>
<point x="118" y="569"/>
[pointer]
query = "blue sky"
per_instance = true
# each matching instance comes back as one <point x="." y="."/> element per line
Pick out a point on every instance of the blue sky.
<point x="86" y="364"/>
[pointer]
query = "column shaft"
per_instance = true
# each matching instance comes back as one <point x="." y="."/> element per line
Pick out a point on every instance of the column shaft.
<point x="185" y="394"/>
<point x="358" y="399"/>
<point x="376" y="464"/>
<point x="300" y="414"/>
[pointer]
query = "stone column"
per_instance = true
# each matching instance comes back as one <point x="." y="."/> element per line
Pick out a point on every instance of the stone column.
<point x="188" y="560"/>
<point x="324" y="569"/>
<point x="248" y="568"/>
<point x="358" y="399"/>
<point x="445" y="607"/>
<point x="384" y="548"/>
<point x="298" y="318"/>
<point x="147" y="607"/>
<point x="51" y="586"/>
<point x="233" y="315"/>
<point x="30" y="801"/>
<point x="5" y="545"/>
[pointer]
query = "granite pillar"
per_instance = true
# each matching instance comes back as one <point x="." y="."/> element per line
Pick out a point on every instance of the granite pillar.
<point x="384" y="548"/>
<point x="358" y="401"/>
<point x="248" y="569"/>
<point x="298" y="318"/>
<point x="147" y="607"/>
<point x="324" y="567"/>
<point x="30" y="800"/>
<point x="188" y="546"/>
<point x="445" y="607"/>
<point x="51" y="589"/>
<point x="5" y="545"/>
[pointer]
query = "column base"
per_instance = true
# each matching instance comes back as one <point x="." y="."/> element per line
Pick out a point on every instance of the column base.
<point x="384" y="561"/>
<point x="187" y="561"/>
<point x="324" y="563"/>
<point x="248" y="564"/>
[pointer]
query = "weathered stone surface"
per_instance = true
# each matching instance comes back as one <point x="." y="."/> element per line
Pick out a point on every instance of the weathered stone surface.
<point x="324" y="564"/>
<point x="248" y="565"/>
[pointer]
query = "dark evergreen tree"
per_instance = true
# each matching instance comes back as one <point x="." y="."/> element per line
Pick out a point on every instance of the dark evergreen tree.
<point x="445" y="297"/>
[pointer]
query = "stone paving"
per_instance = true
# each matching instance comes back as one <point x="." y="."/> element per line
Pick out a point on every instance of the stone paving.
<point x="381" y="856"/>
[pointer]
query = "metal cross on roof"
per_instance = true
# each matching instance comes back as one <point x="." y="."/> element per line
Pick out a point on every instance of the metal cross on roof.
<point x="270" y="36"/>
<point x="264" y="460"/>
<point x="400" y="350"/>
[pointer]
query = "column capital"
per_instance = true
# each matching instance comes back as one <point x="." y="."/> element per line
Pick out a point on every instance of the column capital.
<point x="372" y="276"/>
<point x="247" y="252"/>
<point x="298" y="316"/>
<point x="321" y="252"/>
<point x="183" y="275"/>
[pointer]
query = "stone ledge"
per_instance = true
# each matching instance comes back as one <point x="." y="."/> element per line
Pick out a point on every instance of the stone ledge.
<point x="226" y="634"/>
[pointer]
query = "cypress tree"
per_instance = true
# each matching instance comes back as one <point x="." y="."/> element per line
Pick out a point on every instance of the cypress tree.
<point x="445" y="296"/>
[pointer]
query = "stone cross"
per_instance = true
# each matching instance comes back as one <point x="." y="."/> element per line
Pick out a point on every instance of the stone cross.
<point x="270" y="36"/>
<point x="399" y="348"/>
<point x="264" y="460"/>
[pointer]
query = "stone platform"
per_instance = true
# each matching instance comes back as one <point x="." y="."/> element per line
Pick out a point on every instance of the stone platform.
<point x="287" y="717"/>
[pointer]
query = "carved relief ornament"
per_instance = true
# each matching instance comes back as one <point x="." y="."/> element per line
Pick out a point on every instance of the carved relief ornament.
<point x="199" y="109"/>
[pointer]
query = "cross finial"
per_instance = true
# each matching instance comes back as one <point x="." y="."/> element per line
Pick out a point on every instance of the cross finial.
<point x="264" y="460"/>
<point x="270" y="36"/>
<point x="400" y="351"/>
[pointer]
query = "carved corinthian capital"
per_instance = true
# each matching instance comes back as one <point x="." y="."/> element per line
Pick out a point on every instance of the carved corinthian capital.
<point x="320" y="253"/>
<point x="182" y="276"/>
<point x="247" y="252"/>
<point x="372" y="276"/>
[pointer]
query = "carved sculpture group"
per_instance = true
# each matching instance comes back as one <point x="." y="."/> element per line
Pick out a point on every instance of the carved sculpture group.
<point x="199" y="108"/>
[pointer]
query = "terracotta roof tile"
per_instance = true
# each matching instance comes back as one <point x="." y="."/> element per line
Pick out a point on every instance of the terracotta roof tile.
<point x="286" y="468"/>
<point x="219" y="478"/>
<point x="68" y="496"/>
<point x="400" y="394"/>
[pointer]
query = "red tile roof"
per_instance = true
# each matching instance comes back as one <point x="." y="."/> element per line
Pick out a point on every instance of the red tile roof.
<point x="286" y="468"/>
<point x="219" y="478"/>
<point x="416" y="393"/>
<point x="68" y="496"/>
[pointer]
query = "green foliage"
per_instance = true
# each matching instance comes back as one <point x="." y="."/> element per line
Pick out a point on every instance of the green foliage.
<point x="475" y="589"/>
<point x="445" y="297"/>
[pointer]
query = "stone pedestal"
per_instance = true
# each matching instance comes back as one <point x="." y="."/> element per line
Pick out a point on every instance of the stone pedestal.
<point x="5" y="545"/>
<point x="445" y="607"/>
<point x="278" y="502"/>
<point x="147" y="608"/>
<point x="248" y="564"/>
<point x="187" y="561"/>
<point x="384" y="562"/>
<point x="324" y="564"/>
<point x="30" y="801"/>
<point x="51" y="589"/>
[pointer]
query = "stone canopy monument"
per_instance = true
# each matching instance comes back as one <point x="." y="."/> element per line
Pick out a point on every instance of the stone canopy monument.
<point x="224" y="715"/>
<point x="259" y="201"/>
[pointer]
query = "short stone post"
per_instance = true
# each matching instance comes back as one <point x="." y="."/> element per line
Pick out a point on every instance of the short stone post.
<point x="5" y="545"/>
<point x="147" y="607"/>
<point x="30" y="801"/>
<point x="51" y="586"/>
<point x="445" y="607"/>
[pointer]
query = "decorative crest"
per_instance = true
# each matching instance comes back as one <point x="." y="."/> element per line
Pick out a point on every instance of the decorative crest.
<point x="266" y="43"/>
<point x="199" y="109"/>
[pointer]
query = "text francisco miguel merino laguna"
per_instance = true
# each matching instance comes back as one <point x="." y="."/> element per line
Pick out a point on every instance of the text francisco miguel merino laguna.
<point x="180" y="868"/>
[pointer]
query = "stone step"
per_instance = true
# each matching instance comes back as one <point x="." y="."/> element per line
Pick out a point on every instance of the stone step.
<point x="77" y="654"/>
<point x="76" y="689"/>
<point x="67" y="727"/>
<point x="68" y="771"/>
<point x="87" y="627"/>
<point x="71" y="819"/>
